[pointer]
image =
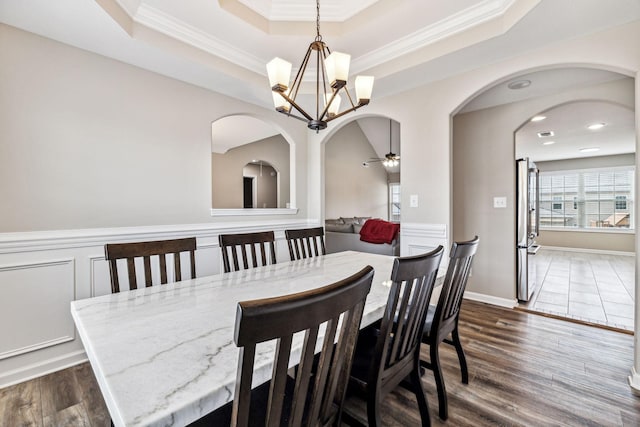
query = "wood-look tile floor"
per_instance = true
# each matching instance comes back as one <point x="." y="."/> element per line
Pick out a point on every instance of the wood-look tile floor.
<point x="587" y="287"/>
<point x="524" y="370"/>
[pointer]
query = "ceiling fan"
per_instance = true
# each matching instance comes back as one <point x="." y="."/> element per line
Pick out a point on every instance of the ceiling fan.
<point x="390" y="159"/>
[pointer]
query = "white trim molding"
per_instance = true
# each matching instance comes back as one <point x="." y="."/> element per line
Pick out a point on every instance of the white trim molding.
<point x="31" y="296"/>
<point x="58" y="239"/>
<point x="490" y="299"/>
<point x="418" y="238"/>
<point x="254" y="212"/>
<point x="44" y="367"/>
<point x="588" y="251"/>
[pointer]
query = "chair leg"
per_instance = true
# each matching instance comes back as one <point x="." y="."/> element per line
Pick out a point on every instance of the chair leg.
<point x="463" y="360"/>
<point x="437" y="373"/>
<point x="423" y="405"/>
<point x="373" y="409"/>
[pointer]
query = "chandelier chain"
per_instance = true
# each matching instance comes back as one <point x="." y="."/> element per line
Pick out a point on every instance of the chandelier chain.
<point x="318" y="36"/>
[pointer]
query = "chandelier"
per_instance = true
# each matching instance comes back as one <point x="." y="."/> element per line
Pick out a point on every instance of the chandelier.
<point x="391" y="159"/>
<point x="332" y="70"/>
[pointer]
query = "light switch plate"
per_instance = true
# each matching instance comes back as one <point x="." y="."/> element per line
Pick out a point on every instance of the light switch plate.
<point x="413" y="200"/>
<point x="499" y="202"/>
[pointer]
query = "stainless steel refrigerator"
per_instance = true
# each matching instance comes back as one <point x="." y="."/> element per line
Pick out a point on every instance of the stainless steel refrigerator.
<point x="528" y="224"/>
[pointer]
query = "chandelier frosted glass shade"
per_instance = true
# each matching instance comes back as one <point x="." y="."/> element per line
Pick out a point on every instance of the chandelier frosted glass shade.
<point x="331" y="76"/>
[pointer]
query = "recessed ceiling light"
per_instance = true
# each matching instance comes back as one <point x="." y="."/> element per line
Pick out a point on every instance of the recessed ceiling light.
<point x="519" y="84"/>
<point x="596" y="126"/>
<point x="589" y="150"/>
<point x="538" y="118"/>
<point x="545" y="134"/>
<point x="548" y="142"/>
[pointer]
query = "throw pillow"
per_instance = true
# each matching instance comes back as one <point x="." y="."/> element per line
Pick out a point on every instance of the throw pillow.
<point x="353" y="220"/>
<point x="333" y="221"/>
<point x="340" y="228"/>
<point x="362" y="219"/>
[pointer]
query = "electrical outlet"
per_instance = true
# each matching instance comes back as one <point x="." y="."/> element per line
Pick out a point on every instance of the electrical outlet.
<point x="413" y="201"/>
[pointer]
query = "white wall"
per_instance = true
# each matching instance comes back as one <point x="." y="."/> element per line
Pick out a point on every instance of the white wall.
<point x="350" y="189"/>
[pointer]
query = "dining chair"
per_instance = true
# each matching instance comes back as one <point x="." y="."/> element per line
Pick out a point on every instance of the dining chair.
<point x="442" y="320"/>
<point x="385" y="357"/>
<point x="147" y="250"/>
<point x="305" y="242"/>
<point x="316" y="395"/>
<point x="261" y="245"/>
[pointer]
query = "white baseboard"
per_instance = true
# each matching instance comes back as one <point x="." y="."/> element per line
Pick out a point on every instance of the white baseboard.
<point x="44" y="367"/>
<point x="589" y="251"/>
<point x="489" y="299"/>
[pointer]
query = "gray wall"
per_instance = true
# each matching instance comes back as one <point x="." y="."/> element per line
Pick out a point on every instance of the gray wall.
<point x="350" y="189"/>
<point x="87" y="141"/>
<point x="266" y="183"/>
<point x="226" y="171"/>
<point x="483" y="167"/>
<point x="600" y="240"/>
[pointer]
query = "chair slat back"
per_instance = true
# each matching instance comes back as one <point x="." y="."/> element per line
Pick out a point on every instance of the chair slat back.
<point x="318" y="396"/>
<point x="413" y="279"/>
<point x="305" y="243"/>
<point x="147" y="250"/>
<point x="234" y="248"/>
<point x="454" y="285"/>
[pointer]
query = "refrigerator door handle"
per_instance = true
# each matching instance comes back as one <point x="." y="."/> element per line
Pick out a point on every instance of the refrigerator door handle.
<point x="522" y="205"/>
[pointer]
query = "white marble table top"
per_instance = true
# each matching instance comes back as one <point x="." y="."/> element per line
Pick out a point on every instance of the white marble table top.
<point x="165" y="356"/>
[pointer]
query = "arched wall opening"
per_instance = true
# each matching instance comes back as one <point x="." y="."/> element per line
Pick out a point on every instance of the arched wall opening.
<point x="354" y="180"/>
<point x="239" y="140"/>
<point x="483" y="168"/>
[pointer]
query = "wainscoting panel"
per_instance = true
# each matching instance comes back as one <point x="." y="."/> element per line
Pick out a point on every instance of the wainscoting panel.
<point x="46" y="287"/>
<point x="417" y="239"/>
<point x="42" y="272"/>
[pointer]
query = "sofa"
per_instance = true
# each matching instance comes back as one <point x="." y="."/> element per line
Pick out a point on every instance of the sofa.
<point x="343" y="234"/>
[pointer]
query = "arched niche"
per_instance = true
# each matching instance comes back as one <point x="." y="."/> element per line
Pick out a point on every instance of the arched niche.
<point x="239" y="145"/>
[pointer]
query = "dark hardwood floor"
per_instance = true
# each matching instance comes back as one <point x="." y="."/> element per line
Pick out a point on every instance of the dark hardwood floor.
<point x="524" y="370"/>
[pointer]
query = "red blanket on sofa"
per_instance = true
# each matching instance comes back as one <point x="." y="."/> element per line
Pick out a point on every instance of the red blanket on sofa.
<point x="379" y="231"/>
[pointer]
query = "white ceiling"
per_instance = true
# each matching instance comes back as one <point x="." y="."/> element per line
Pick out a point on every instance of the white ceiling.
<point x="569" y="123"/>
<point x="543" y="83"/>
<point x="232" y="131"/>
<point x="224" y="45"/>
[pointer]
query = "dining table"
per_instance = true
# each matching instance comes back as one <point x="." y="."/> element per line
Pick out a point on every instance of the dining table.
<point x="165" y="355"/>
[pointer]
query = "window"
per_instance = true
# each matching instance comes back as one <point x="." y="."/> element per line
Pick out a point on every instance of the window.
<point x="394" y="202"/>
<point x="621" y="202"/>
<point x="589" y="198"/>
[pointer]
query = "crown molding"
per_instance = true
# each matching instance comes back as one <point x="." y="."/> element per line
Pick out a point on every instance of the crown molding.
<point x="161" y="22"/>
<point x="157" y="20"/>
<point x="454" y="24"/>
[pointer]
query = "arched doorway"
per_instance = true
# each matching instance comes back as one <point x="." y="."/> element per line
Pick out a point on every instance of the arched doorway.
<point x="483" y="150"/>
